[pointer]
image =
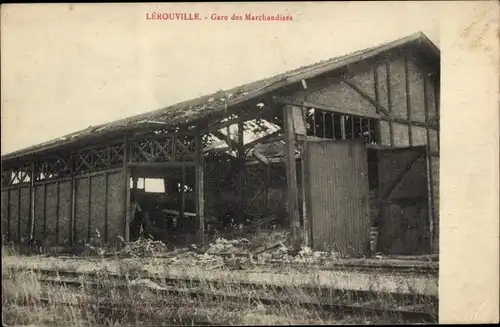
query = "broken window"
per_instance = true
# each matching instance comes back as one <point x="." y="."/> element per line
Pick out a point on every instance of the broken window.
<point x="336" y="126"/>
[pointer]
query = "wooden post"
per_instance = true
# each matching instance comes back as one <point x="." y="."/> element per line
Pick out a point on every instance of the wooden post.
<point x="430" y="186"/>
<point x="241" y="166"/>
<point x="408" y="103"/>
<point x="44" y="235"/>
<point x="127" y="190"/>
<point x="199" y="187"/>
<point x="303" y="172"/>
<point x="32" y="202"/>
<point x="389" y="101"/>
<point x="73" y="211"/>
<point x="342" y="126"/>
<point x="9" y="218"/>
<point x="183" y="196"/>
<point x="89" y="208"/>
<point x="57" y="213"/>
<point x="19" y="215"/>
<point x="429" y="201"/>
<point x="291" y="172"/>
<point x="106" y="195"/>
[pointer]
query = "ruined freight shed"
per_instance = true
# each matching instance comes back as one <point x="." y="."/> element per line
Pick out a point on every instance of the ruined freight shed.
<point x="358" y="150"/>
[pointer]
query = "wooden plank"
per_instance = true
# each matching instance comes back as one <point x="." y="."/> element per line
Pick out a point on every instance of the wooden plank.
<point x="298" y="121"/>
<point x="179" y="213"/>
<point x="199" y="189"/>
<point x="127" y="190"/>
<point x="291" y="176"/>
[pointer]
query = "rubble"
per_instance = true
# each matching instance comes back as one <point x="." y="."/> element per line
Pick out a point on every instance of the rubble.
<point x="237" y="253"/>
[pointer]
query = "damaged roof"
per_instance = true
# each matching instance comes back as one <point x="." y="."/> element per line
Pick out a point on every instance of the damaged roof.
<point x="205" y="106"/>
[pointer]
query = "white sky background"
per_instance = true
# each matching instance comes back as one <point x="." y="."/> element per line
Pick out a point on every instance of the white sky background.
<point x="67" y="67"/>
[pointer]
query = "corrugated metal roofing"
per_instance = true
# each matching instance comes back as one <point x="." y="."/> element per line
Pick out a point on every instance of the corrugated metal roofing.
<point x="204" y="106"/>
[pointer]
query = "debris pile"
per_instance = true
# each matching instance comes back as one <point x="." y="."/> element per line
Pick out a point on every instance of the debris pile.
<point x="260" y="248"/>
<point x="144" y="247"/>
<point x="222" y="245"/>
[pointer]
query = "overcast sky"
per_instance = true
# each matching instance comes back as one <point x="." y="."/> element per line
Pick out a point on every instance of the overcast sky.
<point x="67" y="67"/>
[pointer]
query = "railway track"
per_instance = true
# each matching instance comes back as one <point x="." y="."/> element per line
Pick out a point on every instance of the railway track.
<point x="326" y="300"/>
<point x="359" y="265"/>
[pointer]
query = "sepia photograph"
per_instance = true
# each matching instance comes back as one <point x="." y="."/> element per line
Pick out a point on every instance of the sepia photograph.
<point x="220" y="164"/>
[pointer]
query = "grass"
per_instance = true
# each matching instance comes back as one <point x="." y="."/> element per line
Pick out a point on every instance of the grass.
<point x="27" y="301"/>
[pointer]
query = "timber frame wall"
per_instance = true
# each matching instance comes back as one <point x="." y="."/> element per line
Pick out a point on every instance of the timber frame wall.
<point x="67" y="199"/>
<point x="399" y="93"/>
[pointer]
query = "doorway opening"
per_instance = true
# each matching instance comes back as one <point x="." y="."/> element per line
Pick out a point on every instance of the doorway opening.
<point x="163" y="205"/>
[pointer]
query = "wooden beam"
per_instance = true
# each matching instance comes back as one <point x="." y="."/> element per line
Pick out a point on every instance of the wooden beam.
<point x="200" y="204"/>
<point x="389" y="100"/>
<point x="375" y="85"/>
<point x="299" y="121"/>
<point x="261" y="157"/>
<point x="241" y="143"/>
<point x="226" y="138"/>
<point x="291" y="173"/>
<point x="157" y="165"/>
<point x="179" y="213"/>
<point x="400" y="176"/>
<point x="408" y="102"/>
<point x="365" y="96"/>
<point x="262" y="139"/>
